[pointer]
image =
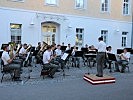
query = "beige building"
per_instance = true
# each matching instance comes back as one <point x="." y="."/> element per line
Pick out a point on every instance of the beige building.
<point x="77" y="22"/>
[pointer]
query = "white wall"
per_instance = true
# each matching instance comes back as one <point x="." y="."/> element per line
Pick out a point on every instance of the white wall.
<point x="31" y="34"/>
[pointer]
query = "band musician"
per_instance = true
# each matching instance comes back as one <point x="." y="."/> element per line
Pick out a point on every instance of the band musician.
<point x="47" y="62"/>
<point x="75" y="59"/>
<point x="23" y="54"/>
<point x="9" y="65"/>
<point x="124" y="59"/>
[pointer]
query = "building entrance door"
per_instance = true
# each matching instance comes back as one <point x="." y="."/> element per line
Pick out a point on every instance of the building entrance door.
<point x="49" y="33"/>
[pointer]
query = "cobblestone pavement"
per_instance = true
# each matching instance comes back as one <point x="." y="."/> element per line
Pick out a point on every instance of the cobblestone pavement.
<point x="73" y="86"/>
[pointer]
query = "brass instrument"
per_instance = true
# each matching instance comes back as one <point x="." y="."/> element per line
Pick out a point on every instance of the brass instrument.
<point x="28" y="48"/>
<point x="40" y="52"/>
<point x="18" y="48"/>
<point x="11" y="48"/>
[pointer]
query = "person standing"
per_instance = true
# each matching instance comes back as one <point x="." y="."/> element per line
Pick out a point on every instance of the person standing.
<point x="100" y="57"/>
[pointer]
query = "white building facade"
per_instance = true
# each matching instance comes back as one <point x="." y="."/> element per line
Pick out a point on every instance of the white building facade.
<point x="31" y="27"/>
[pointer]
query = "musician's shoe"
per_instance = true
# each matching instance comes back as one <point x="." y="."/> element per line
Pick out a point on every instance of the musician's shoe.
<point x="99" y="75"/>
<point x="116" y="70"/>
<point x="17" y="79"/>
<point x="51" y="76"/>
<point x="105" y="67"/>
<point x="29" y="64"/>
<point x="57" y="70"/>
<point x="122" y="71"/>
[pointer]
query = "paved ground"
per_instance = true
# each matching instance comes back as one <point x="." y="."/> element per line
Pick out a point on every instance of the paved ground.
<point x="71" y="87"/>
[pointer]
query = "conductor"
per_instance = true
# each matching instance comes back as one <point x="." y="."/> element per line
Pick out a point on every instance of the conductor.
<point x="100" y="57"/>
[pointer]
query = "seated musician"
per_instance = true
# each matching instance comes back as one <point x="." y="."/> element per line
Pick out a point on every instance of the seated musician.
<point x="23" y="54"/>
<point x="39" y="46"/>
<point x="75" y="59"/>
<point x="58" y="54"/>
<point x="47" y="62"/>
<point x="124" y="59"/>
<point x="92" y="50"/>
<point x="22" y="51"/>
<point x="9" y="65"/>
<point x="68" y="47"/>
<point x="108" y="50"/>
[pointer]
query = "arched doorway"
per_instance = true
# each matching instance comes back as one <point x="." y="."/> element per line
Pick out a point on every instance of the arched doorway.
<point x="50" y="32"/>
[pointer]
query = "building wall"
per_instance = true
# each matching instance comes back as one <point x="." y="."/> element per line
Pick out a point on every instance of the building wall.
<point x="68" y="7"/>
<point x="31" y="34"/>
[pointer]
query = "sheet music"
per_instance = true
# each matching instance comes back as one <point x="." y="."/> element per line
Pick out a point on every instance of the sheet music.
<point x="64" y="56"/>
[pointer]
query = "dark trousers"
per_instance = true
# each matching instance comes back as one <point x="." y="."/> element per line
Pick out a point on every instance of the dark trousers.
<point x="122" y="63"/>
<point x="13" y="67"/>
<point x="100" y="63"/>
<point x="52" y="67"/>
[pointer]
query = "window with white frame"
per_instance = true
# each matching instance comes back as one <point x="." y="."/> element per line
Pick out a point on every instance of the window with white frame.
<point x="126" y="7"/>
<point x="105" y="5"/>
<point x="124" y="39"/>
<point x="16" y="33"/>
<point x="51" y="2"/>
<point x="17" y="0"/>
<point x="104" y="34"/>
<point x="79" y="36"/>
<point x="80" y="4"/>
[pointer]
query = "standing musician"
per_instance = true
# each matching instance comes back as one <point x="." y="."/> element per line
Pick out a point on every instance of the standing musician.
<point x="124" y="59"/>
<point x="47" y="62"/>
<point x="100" y="57"/>
<point x="75" y="59"/>
<point x="9" y="65"/>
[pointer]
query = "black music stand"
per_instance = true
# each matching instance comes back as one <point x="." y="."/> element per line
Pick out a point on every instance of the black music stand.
<point x="73" y="47"/>
<point x="1" y="53"/>
<point x="63" y="48"/>
<point x="85" y="50"/>
<point x="78" y="54"/>
<point x="111" y="57"/>
<point x="93" y="52"/>
<point x="119" y="51"/>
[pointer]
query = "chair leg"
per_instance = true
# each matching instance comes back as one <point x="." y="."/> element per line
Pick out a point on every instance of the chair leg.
<point x="2" y="77"/>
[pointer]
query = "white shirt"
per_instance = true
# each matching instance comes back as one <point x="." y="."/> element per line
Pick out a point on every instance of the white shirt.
<point x="101" y="47"/>
<point x="68" y="48"/>
<point x="46" y="56"/>
<point x="5" y="57"/>
<point x="58" y="52"/>
<point x="22" y="51"/>
<point x="126" y="55"/>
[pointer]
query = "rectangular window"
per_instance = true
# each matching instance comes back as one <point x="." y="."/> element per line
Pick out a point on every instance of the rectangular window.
<point x="17" y="0"/>
<point x="80" y="4"/>
<point x="104" y="34"/>
<point x="126" y="7"/>
<point x="124" y="39"/>
<point x="51" y="2"/>
<point x="105" y="5"/>
<point x="79" y="36"/>
<point x="16" y="33"/>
